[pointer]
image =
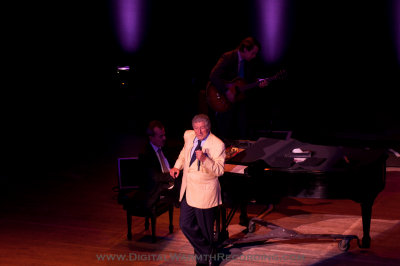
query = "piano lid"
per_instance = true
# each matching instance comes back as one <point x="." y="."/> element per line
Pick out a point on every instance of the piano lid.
<point x="278" y="153"/>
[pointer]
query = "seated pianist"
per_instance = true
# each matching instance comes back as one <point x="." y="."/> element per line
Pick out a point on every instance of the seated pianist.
<point x="154" y="160"/>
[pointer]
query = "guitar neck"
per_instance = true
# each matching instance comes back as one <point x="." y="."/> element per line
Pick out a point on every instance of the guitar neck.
<point x="249" y="86"/>
<point x="278" y="75"/>
<point x="255" y="84"/>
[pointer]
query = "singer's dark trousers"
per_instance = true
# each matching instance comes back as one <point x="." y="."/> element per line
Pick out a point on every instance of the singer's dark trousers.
<point x="198" y="227"/>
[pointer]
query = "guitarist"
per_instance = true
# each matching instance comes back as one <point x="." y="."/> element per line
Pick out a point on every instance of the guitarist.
<point x="237" y="63"/>
<point x="232" y="124"/>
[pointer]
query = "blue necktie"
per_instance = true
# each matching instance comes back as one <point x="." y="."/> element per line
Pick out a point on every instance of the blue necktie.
<point x="194" y="153"/>
<point x="241" y="69"/>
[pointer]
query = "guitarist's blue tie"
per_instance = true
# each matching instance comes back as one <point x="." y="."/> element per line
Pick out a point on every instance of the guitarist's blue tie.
<point x="241" y="68"/>
<point x="194" y="152"/>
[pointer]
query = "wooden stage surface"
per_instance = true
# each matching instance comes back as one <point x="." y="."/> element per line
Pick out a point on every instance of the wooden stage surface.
<point x="72" y="218"/>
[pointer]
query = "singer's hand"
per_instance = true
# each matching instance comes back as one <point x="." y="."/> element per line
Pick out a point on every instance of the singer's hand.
<point x="174" y="172"/>
<point x="200" y="155"/>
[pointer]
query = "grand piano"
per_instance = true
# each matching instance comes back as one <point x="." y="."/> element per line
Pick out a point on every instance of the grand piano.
<point x="270" y="168"/>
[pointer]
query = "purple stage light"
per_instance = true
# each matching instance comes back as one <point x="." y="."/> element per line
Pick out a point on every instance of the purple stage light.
<point x="128" y="16"/>
<point x="272" y="30"/>
<point x="123" y="68"/>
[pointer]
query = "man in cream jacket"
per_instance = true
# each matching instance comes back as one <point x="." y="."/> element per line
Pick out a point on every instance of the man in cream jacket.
<point x="202" y="160"/>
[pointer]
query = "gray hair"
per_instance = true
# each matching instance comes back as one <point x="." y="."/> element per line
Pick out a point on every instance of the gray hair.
<point x="202" y="118"/>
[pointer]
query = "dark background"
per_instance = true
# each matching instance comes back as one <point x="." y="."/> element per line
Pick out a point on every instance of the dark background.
<point x="62" y="100"/>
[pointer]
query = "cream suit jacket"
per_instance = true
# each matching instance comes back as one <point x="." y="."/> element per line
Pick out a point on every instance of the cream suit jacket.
<point x="202" y="186"/>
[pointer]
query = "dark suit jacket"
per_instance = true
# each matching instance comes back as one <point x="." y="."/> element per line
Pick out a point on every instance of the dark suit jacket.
<point x="154" y="183"/>
<point x="226" y="69"/>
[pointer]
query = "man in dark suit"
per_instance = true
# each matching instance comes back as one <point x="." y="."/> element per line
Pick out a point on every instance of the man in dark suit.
<point x="154" y="162"/>
<point x="235" y="64"/>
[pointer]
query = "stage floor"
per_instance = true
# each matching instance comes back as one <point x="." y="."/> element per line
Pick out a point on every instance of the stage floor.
<point x="71" y="217"/>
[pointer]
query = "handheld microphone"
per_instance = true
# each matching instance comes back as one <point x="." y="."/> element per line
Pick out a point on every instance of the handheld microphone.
<point x="198" y="148"/>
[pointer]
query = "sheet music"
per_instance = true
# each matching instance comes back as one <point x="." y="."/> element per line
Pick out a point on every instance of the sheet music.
<point x="234" y="168"/>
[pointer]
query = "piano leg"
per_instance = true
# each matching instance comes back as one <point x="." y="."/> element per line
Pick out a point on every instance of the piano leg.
<point x="366" y="212"/>
<point x="366" y="203"/>
<point x="223" y="234"/>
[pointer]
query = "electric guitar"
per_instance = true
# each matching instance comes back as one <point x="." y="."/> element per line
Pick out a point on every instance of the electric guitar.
<point x="235" y="89"/>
